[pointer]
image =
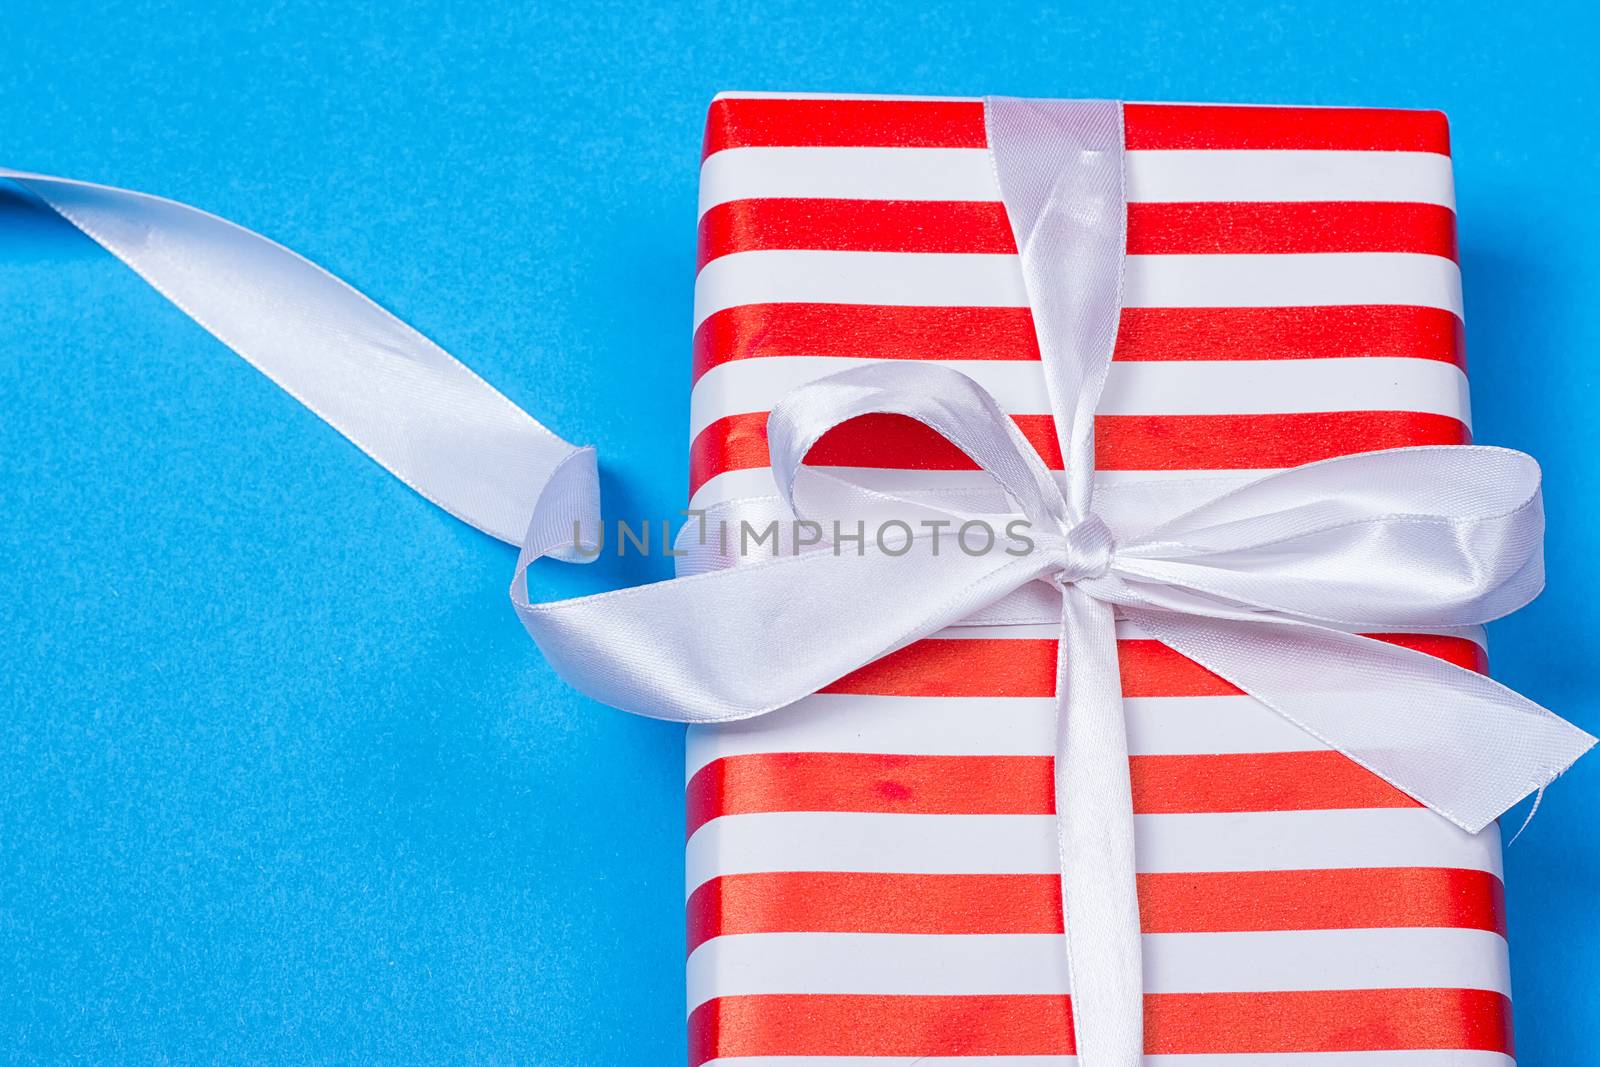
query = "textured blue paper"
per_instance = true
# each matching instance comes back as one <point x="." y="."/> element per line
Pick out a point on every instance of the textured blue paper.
<point x="281" y="779"/>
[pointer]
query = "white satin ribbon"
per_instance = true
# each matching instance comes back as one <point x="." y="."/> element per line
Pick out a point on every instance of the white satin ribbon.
<point x="1267" y="585"/>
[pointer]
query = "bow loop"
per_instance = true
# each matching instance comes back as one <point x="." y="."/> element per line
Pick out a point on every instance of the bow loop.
<point x="947" y="401"/>
<point x="1405" y="538"/>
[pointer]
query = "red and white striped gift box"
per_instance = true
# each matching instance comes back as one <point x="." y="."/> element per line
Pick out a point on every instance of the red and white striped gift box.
<point x="872" y="872"/>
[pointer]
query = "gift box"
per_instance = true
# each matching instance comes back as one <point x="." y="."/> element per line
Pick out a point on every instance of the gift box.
<point x="872" y="873"/>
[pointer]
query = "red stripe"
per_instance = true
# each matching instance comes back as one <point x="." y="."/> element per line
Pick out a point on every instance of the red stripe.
<point x="753" y="331"/>
<point x="1020" y="667"/>
<point x="1213" y="902"/>
<point x="1355" y="129"/>
<point x="1457" y="650"/>
<point x="1175" y="1024"/>
<point x="1153" y="229"/>
<point x="1290" y="333"/>
<point x="1284" y="228"/>
<point x="1122" y="442"/>
<point x="750" y="123"/>
<point x="1026" y="667"/>
<point x="1023" y="785"/>
<point x="765" y="122"/>
<point x="855" y="226"/>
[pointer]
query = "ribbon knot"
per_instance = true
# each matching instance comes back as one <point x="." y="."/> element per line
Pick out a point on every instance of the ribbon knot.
<point x="1087" y="549"/>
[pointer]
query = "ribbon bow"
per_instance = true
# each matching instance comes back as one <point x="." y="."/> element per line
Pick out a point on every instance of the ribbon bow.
<point x="1268" y="586"/>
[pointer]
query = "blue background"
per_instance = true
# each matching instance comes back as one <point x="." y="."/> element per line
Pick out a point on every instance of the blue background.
<point x="281" y="779"/>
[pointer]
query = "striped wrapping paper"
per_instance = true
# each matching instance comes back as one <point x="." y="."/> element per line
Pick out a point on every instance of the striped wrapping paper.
<point x="872" y="873"/>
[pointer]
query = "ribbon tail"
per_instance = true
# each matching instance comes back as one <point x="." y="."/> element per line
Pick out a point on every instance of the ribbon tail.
<point x="1455" y="740"/>
<point x="396" y="395"/>
<point x="1094" y="811"/>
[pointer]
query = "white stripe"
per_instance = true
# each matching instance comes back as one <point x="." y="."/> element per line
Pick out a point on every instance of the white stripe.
<point x="847" y="174"/>
<point x="1154" y="176"/>
<point x="993" y="726"/>
<point x="962" y="280"/>
<point x="1026" y="844"/>
<point x="1036" y="964"/>
<point x="1298" y="175"/>
<point x="1173" y="491"/>
<point x="1313" y="279"/>
<point x="1182" y="387"/>
<point x="1395" y="1058"/>
<point x="1130" y="631"/>
<point x="895" y="278"/>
